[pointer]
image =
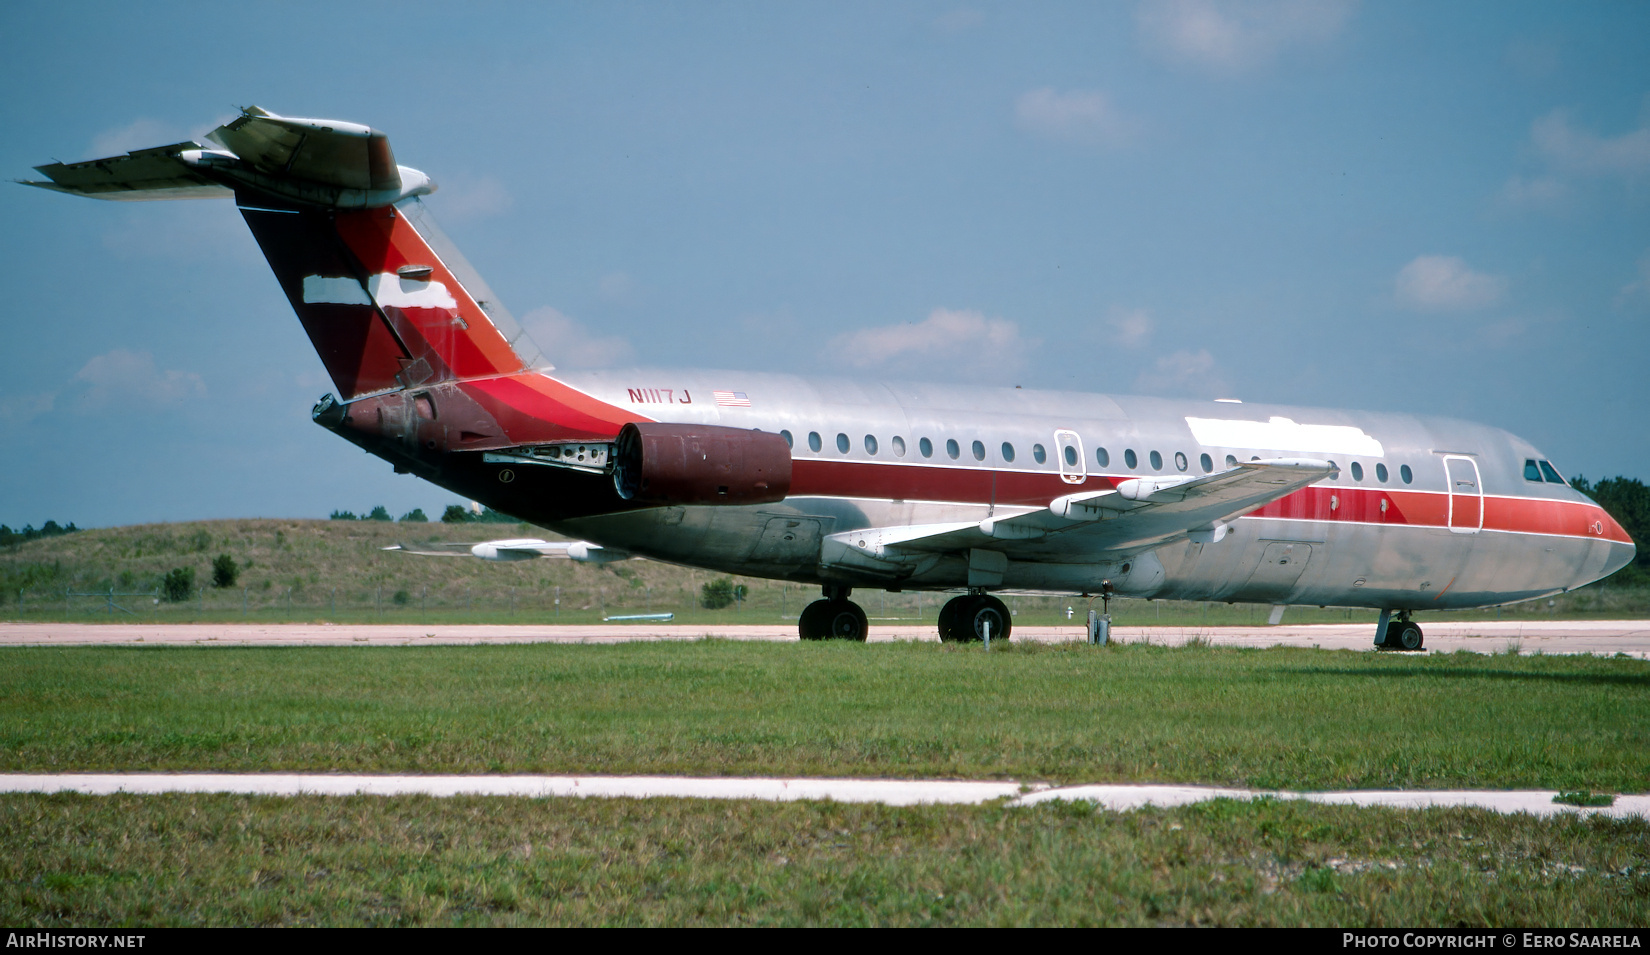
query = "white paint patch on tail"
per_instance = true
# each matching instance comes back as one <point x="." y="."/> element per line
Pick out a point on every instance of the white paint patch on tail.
<point x="394" y="291"/>
<point x="334" y="290"/>
<point x="1284" y="434"/>
<point x="386" y="288"/>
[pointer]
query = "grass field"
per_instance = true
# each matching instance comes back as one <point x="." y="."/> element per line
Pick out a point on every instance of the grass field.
<point x="225" y="860"/>
<point x="1065" y="713"/>
<point x="297" y="570"/>
<point x="1277" y="718"/>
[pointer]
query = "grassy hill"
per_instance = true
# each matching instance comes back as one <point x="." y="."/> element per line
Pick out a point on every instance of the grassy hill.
<point x="308" y="570"/>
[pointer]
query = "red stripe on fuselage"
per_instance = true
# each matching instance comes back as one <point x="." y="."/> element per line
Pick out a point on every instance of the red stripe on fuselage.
<point x="904" y="482"/>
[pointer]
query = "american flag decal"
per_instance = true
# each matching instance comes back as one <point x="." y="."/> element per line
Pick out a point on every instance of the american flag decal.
<point x="731" y="399"/>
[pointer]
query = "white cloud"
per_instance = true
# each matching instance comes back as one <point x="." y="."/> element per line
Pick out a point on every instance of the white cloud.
<point x="567" y="343"/>
<point x="1638" y="290"/>
<point x="1182" y="373"/>
<point x="1232" y="37"/>
<point x="1584" y="152"/>
<point x="21" y="409"/>
<point x="1130" y="328"/>
<point x="1075" y="115"/>
<point x="1537" y="192"/>
<point x="138" y="134"/>
<point x="465" y="197"/>
<point x="947" y="342"/>
<point x="128" y="378"/>
<point x="1444" y="283"/>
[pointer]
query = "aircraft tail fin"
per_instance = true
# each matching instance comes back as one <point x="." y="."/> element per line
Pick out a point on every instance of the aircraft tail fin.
<point x="385" y="297"/>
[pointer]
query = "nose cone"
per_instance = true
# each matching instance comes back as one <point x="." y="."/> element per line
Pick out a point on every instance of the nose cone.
<point x="1620" y="556"/>
<point x="1622" y="550"/>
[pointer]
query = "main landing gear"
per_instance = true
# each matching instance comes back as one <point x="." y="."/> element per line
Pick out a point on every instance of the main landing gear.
<point x="1400" y="634"/>
<point x="965" y="619"/>
<point x="834" y="618"/>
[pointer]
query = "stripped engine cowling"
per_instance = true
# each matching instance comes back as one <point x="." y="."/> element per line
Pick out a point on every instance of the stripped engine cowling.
<point x="657" y="463"/>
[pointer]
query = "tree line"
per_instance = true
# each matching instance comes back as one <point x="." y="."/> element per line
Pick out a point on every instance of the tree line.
<point x="454" y="514"/>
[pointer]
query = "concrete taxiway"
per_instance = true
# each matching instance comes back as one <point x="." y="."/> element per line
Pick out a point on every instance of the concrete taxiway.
<point x="1605" y="637"/>
<point x="892" y="792"/>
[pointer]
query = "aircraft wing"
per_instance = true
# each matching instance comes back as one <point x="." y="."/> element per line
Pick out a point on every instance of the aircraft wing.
<point x="1139" y="513"/>
<point x="520" y="548"/>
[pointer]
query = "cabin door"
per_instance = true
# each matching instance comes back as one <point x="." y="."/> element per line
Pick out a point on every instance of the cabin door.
<point x="1068" y="447"/>
<point x="1466" y="495"/>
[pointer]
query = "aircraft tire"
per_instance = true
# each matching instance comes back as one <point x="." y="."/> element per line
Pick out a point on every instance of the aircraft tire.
<point x="812" y="624"/>
<point x="1408" y="637"/>
<point x="951" y="617"/>
<point x="845" y="620"/>
<point x="984" y="609"/>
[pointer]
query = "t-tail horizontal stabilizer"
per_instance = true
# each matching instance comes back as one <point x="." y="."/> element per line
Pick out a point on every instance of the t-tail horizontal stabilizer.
<point x="319" y="162"/>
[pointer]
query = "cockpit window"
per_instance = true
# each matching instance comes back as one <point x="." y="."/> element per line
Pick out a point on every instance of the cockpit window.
<point x="1552" y="473"/>
<point x="1531" y="472"/>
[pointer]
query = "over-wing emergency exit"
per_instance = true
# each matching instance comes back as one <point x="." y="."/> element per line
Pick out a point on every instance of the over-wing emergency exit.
<point x="847" y="483"/>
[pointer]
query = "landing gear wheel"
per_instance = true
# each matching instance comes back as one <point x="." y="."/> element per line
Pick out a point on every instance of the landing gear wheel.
<point x="845" y="620"/>
<point x="833" y="620"/>
<point x="986" y="610"/>
<point x="1407" y="636"/>
<point x="812" y="625"/>
<point x="951" y="616"/>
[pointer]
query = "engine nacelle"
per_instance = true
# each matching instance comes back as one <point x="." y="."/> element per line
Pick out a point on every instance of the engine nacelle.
<point x="658" y="463"/>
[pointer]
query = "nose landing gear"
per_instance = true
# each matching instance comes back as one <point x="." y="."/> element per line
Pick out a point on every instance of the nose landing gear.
<point x="1398" y="634"/>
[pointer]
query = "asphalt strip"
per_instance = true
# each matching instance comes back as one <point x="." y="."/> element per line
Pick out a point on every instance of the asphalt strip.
<point x="892" y="792"/>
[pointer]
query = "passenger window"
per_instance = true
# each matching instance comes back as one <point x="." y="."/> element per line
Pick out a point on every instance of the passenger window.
<point x="1333" y="477"/>
<point x="813" y="441"/>
<point x="1071" y="456"/>
<point x="1531" y="472"/>
<point x="870" y="444"/>
<point x="1380" y="473"/>
<point x="1038" y="453"/>
<point x="1103" y="456"/>
<point x="979" y="451"/>
<point x="1130" y="460"/>
<point x="926" y="447"/>
<point x="1157" y="461"/>
<point x="1180" y="460"/>
<point x="1231" y="460"/>
<point x="1207" y="463"/>
<point x="1552" y="473"/>
<point x="787" y="436"/>
<point x="1008" y="451"/>
<point x="1357" y="471"/>
<point x="951" y="448"/>
<point x="842" y="442"/>
<point x="1405" y="473"/>
<point x="899" y="446"/>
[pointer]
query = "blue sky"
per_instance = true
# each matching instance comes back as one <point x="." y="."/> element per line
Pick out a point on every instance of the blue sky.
<point x="1419" y="207"/>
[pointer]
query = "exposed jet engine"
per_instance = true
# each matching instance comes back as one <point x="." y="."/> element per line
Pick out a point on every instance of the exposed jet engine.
<point x="657" y="463"/>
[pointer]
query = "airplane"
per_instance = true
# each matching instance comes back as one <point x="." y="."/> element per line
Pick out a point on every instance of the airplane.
<point x="852" y="484"/>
